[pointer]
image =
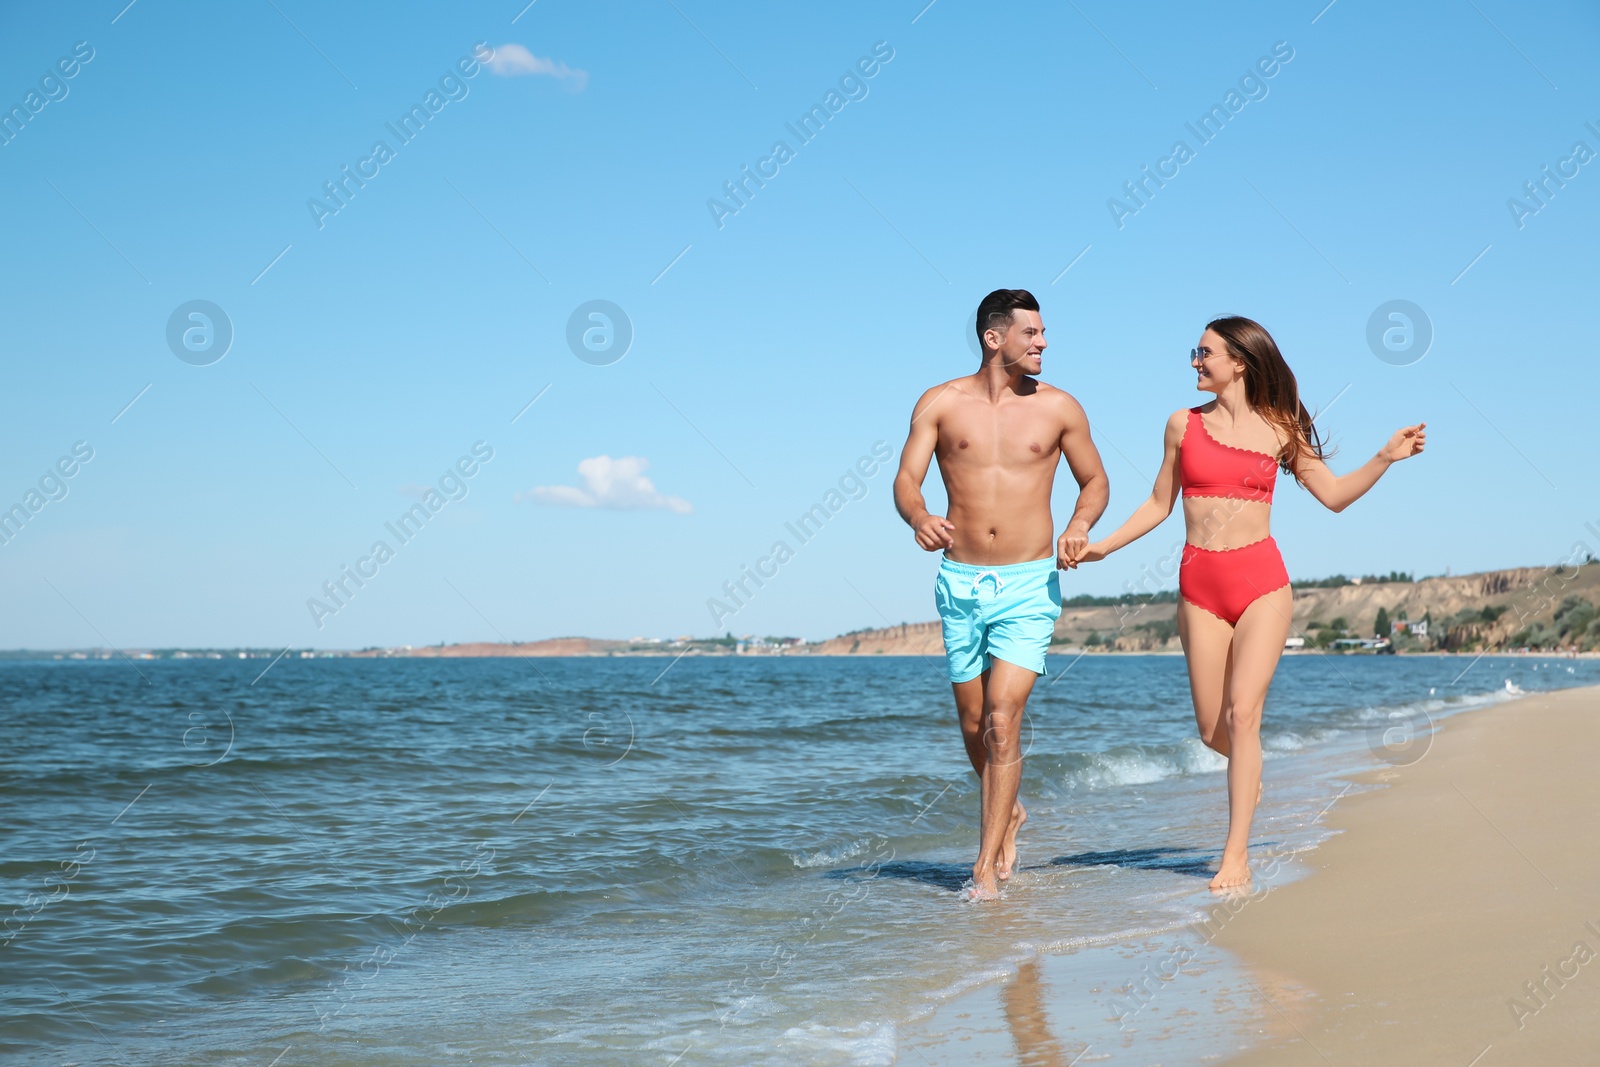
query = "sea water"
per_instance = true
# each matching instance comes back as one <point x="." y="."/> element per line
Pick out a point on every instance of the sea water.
<point x="714" y="860"/>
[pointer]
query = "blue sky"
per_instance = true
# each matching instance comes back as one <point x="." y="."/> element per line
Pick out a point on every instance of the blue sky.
<point x="769" y="354"/>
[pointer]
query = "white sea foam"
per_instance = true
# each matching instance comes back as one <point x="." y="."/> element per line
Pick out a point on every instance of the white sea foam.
<point x="1436" y="707"/>
<point x="969" y="982"/>
<point x="866" y="1045"/>
<point x="830" y="857"/>
<point x="1141" y="766"/>
<point x="1286" y="742"/>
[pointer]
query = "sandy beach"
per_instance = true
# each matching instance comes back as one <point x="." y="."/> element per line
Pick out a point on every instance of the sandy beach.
<point x="1453" y="919"/>
<point x="1456" y="920"/>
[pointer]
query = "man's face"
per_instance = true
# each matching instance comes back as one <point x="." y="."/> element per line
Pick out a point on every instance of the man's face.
<point x="1022" y="345"/>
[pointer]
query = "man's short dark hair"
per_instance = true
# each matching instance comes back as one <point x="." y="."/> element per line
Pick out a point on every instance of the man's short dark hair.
<point x="994" y="310"/>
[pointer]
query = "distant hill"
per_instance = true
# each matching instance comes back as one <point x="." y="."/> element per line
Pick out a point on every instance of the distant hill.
<point x="558" y="646"/>
<point x="1539" y="607"/>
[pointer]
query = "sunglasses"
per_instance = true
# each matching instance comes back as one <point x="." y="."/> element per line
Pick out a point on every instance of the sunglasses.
<point x="1200" y="354"/>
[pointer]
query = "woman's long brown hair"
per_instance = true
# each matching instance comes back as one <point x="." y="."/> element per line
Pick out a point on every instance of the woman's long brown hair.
<point x="1270" y="388"/>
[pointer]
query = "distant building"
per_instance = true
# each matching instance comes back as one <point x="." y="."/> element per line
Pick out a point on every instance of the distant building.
<point x="1370" y="644"/>
<point x="1295" y="642"/>
<point x="1416" y="628"/>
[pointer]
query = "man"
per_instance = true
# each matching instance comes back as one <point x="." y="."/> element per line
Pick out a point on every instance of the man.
<point x="999" y="435"/>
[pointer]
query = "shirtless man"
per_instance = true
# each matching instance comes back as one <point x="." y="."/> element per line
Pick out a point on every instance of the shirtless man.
<point x="999" y="435"/>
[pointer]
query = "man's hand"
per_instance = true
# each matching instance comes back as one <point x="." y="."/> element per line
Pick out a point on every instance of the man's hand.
<point x="933" y="533"/>
<point x="1070" y="546"/>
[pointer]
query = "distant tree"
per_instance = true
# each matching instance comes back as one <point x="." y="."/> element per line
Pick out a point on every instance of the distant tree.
<point x="1092" y="639"/>
<point x="1340" y="624"/>
<point x="1160" y="629"/>
<point x="1380" y="626"/>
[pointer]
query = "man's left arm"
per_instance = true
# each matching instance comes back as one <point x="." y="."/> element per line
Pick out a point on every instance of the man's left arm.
<point x="1094" y="488"/>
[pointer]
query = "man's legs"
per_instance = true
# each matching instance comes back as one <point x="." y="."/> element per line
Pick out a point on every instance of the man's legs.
<point x="1006" y="697"/>
<point x="971" y="698"/>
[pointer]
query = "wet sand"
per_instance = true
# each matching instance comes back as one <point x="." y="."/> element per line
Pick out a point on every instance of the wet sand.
<point x="1457" y="918"/>
<point x="1453" y="919"/>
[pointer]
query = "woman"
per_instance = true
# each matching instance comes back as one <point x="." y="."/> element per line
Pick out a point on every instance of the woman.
<point x="1234" y="599"/>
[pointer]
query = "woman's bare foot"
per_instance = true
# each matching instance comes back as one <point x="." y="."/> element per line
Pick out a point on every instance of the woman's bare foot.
<point x="1233" y="871"/>
<point x="984" y="886"/>
<point x="1008" y="848"/>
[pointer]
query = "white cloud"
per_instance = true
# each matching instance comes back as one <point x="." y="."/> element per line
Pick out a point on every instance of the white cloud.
<point x="616" y="484"/>
<point x="513" y="60"/>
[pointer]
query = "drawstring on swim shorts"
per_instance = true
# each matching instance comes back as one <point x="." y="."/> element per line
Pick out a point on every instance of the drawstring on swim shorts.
<point x="999" y="582"/>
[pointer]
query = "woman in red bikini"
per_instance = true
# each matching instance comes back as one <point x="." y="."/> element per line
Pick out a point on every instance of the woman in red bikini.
<point x="1234" y="599"/>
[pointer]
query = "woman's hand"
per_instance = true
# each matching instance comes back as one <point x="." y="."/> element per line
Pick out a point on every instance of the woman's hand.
<point x="1405" y="443"/>
<point x="1094" y="553"/>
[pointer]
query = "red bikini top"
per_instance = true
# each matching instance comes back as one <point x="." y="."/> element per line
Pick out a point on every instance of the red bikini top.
<point x="1207" y="467"/>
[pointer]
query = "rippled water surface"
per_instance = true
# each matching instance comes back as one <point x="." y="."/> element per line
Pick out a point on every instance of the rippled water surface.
<point x="584" y="861"/>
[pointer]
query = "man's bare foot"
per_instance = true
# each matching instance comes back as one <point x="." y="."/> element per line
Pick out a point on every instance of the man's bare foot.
<point x="1008" y="847"/>
<point x="984" y="886"/>
<point x="1234" y="870"/>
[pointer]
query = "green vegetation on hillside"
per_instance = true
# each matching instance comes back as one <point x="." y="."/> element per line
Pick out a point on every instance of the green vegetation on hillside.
<point x="1574" y="624"/>
<point x="1339" y="580"/>
<point x="1084" y="600"/>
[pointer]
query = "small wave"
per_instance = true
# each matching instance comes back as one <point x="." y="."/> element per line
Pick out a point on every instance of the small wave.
<point x="1435" y="707"/>
<point x="830" y="857"/>
<point x="866" y="1045"/>
<point x="1135" y="765"/>
<point x="1286" y="742"/>
<point x="969" y="982"/>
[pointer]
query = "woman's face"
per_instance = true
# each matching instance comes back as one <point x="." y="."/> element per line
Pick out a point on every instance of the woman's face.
<point x="1213" y="365"/>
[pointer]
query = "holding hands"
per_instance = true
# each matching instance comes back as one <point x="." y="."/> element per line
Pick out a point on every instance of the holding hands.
<point x="1094" y="553"/>
<point x="1072" y="547"/>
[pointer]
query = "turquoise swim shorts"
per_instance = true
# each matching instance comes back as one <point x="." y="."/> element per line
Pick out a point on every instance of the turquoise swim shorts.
<point x="1005" y="612"/>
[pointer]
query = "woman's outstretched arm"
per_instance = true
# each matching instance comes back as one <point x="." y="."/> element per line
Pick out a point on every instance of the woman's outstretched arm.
<point x="1338" y="491"/>
<point x="1157" y="506"/>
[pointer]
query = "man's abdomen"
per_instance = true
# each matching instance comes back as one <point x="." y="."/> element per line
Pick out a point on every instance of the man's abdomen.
<point x="983" y="536"/>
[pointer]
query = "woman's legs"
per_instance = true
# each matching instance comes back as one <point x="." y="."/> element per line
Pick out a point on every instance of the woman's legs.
<point x="1208" y="651"/>
<point x="1257" y="646"/>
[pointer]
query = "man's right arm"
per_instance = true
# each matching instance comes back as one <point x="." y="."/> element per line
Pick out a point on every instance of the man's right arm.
<point x="932" y="532"/>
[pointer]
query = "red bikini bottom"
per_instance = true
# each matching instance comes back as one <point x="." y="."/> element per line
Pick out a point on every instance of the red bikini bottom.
<point x="1228" y="581"/>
